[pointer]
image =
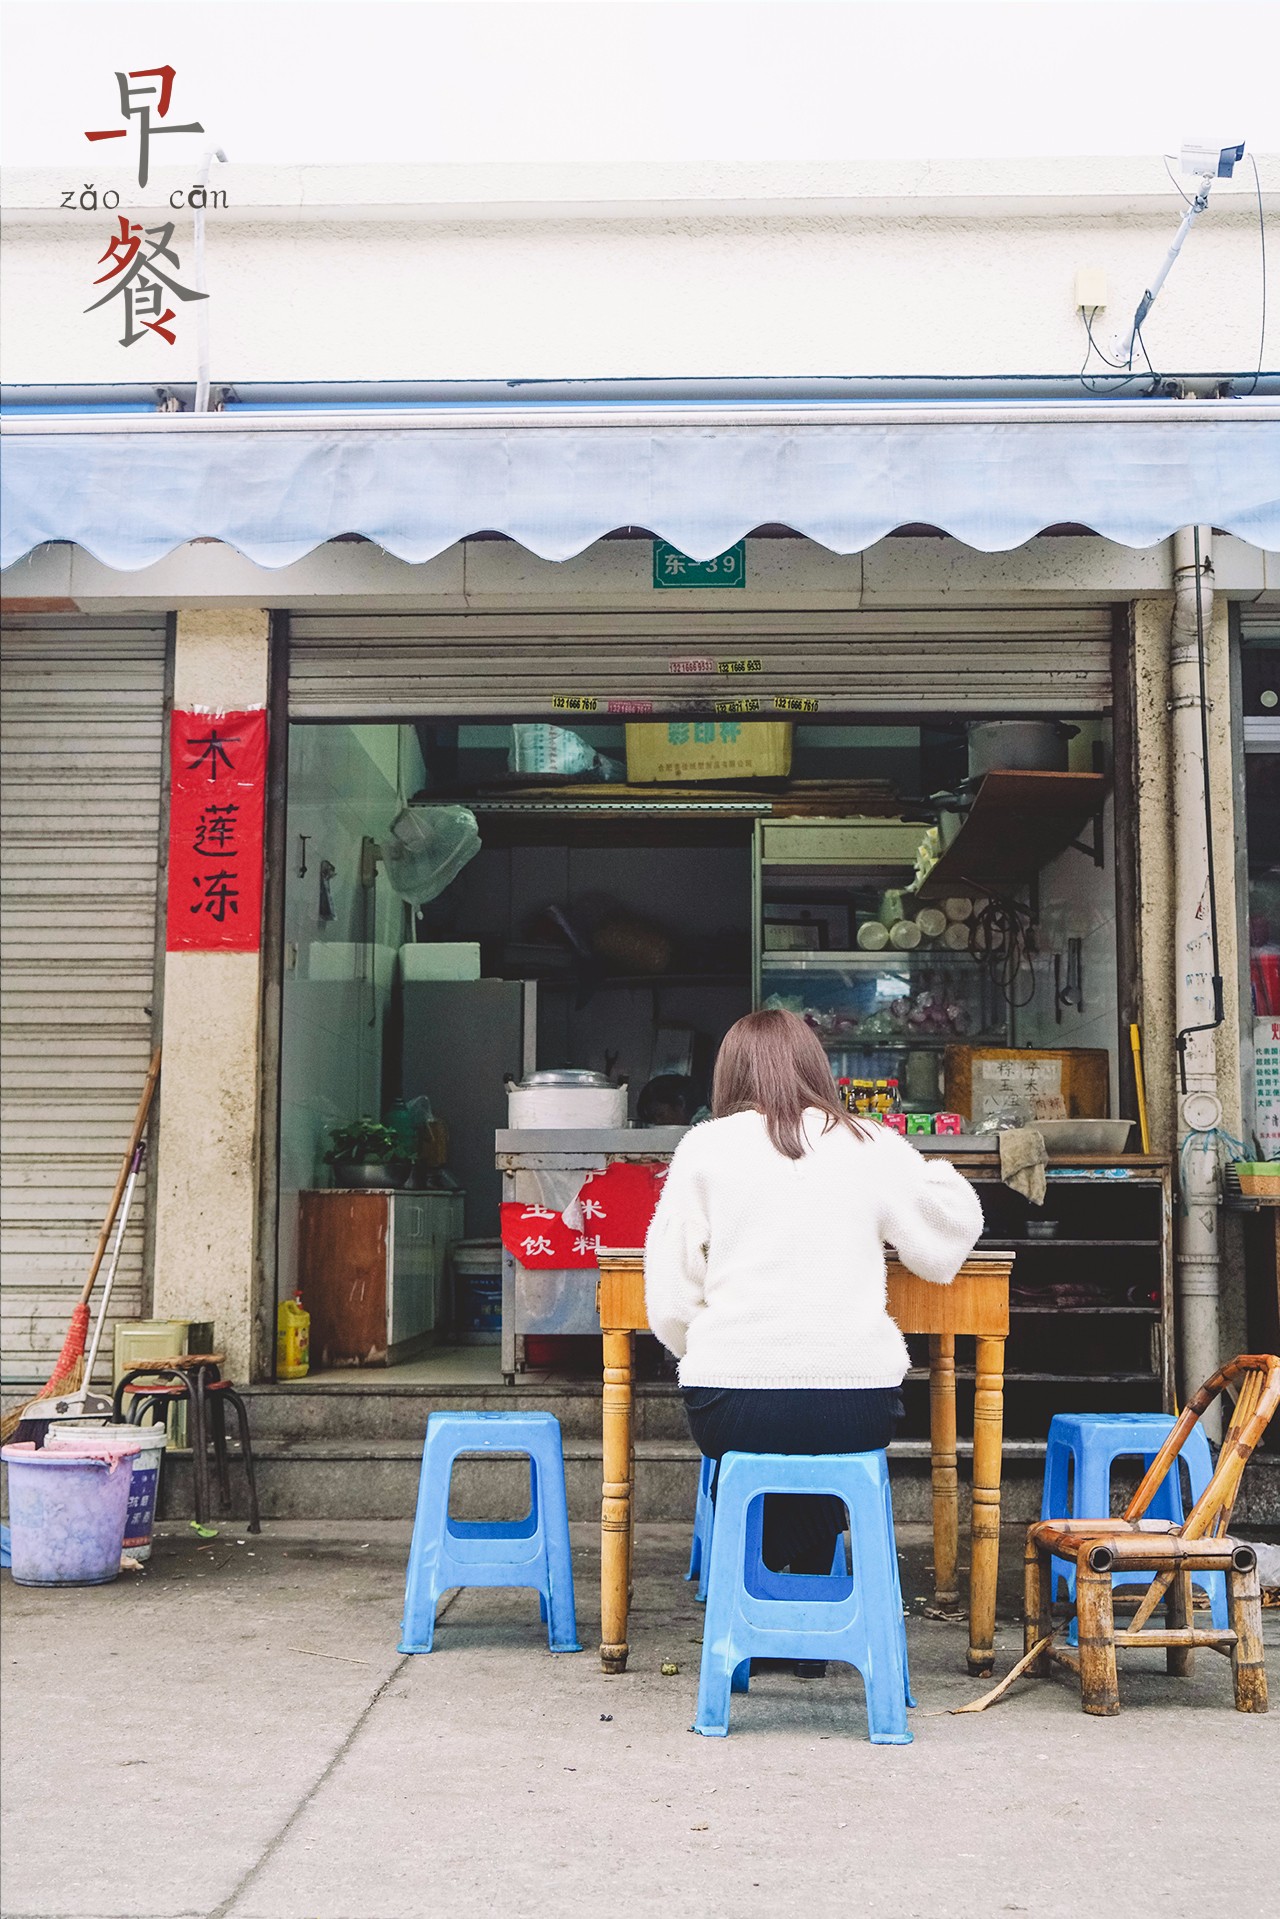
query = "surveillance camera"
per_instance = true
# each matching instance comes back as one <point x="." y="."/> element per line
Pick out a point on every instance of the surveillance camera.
<point x="1210" y="162"/>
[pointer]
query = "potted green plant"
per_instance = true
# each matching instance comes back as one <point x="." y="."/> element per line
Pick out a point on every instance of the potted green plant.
<point x="367" y="1153"/>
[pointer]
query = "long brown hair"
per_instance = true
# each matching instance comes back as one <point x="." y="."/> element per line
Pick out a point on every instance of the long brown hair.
<point x="773" y="1064"/>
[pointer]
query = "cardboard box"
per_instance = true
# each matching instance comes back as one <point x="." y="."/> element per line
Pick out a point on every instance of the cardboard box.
<point x="678" y="750"/>
<point x="1071" y="1082"/>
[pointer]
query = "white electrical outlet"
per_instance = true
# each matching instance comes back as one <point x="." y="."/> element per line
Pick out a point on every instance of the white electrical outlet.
<point x="1091" y="288"/>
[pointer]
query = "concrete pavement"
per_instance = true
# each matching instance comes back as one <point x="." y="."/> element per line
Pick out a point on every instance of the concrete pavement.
<point x="233" y="1736"/>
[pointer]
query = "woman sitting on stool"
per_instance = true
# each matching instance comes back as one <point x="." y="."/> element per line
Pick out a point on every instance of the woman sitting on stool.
<point x="765" y="1268"/>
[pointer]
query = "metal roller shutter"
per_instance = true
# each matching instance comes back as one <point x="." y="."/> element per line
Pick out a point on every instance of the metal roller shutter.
<point x="401" y="666"/>
<point x="1260" y="622"/>
<point x="82" y="726"/>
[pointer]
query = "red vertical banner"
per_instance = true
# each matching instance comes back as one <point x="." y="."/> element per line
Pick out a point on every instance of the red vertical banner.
<point x="217" y="805"/>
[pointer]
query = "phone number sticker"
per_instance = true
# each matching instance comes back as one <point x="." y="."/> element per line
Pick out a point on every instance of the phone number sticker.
<point x="737" y="706"/>
<point x="574" y="703"/>
<point x="740" y="666"/>
<point x="789" y="703"/>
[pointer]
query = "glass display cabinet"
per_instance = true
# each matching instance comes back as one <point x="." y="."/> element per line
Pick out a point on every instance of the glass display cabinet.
<point x="887" y="981"/>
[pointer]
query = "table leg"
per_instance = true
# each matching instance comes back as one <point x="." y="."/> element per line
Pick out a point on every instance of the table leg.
<point x="631" y="1506"/>
<point x="946" y="1483"/>
<point x="988" y="1434"/>
<point x="616" y="1500"/>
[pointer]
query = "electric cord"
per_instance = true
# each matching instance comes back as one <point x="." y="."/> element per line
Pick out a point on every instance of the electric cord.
<point x="1102" y="384"/>
<point x="1262" y="248"/>
<point x="1137" y="334"/>
<point x="1002" y="942"/>
<point x="1173" y="179"/>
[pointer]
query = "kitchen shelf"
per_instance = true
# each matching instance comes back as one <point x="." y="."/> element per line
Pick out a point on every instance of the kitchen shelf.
<point x="1034" y="1245"/>
<point x="1065" y="1379"/>
<point x="819" y="961"/>
<point x="1017" y="823"/>
<point x="901" y="1043"/>
<point x="633" y="980"/>
<point x="1129" y="1312"/>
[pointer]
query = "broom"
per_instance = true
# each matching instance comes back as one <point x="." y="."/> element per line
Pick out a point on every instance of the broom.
<point x="68" y="1373"/>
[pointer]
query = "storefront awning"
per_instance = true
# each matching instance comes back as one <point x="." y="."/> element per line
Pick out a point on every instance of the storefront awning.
<point x="130" y="489"/>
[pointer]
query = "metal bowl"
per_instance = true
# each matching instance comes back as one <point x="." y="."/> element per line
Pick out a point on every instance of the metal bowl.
<point x="1102" y="1136"/>
<point x="346" y="1173"/>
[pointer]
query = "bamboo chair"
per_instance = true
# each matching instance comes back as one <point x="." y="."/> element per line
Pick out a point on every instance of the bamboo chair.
<point x="1172" y="1553"/>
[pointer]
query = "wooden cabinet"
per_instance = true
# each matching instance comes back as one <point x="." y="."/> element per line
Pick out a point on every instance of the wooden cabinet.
<point x="371" y="1269"/>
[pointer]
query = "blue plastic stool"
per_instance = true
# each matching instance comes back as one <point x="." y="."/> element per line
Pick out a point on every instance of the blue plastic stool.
<point x="533" y="1551"/>
<point x="755" y="1613"/>
<point x="1093" y="1442"/>
<point x="703" y="1514"/>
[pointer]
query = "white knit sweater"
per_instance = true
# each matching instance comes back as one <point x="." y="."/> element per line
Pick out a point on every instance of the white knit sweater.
<point x="767" y="1271"/>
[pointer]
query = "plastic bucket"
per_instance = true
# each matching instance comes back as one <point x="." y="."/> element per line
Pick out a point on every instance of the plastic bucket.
<point x="480" y="1315"/>
<point x="477" y="1269"/>
<point x="147" y="1444"/>
<point x="66" y="1516"/>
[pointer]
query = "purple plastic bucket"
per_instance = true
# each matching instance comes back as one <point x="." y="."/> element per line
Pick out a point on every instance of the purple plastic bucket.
<point x="66" y="1516"/>
<point x="145" y="1446"/>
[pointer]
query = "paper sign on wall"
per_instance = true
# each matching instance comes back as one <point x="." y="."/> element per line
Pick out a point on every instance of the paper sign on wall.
<point x="217" y="802"/>
<point x="1018" y="1090"/>
<point x="1266" y="1065"/>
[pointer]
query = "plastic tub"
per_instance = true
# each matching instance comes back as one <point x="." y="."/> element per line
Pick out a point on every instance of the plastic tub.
<point x="477" y="1269"/>
<point x="146" y="1444"/>
<point x="66" y="1516"/>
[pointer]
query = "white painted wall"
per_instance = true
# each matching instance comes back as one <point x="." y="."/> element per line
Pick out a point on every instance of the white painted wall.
<point x="206" y="1172"/>
<point x="366" y="272"/>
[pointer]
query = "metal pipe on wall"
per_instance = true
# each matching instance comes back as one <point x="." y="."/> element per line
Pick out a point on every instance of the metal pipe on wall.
<point x="1197" y="992"/>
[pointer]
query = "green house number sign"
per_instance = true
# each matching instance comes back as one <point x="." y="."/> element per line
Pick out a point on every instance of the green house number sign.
<point x="673" y="568"/>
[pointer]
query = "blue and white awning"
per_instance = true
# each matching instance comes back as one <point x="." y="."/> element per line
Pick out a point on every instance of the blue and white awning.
<point x="129" y="489"/>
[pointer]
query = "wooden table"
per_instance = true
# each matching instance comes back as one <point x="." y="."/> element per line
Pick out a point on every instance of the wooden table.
<point x="976" y="1304"/>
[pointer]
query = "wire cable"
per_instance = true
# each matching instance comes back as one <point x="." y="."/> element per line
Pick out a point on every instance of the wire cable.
<point x="1262" y="245"/>
<point x="1173" y="180"/>
<point x="1002" y="941"/>
<point x="1101" y="384"/>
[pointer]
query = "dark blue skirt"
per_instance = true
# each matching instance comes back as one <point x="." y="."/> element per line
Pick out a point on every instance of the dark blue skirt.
<point x="799" y="1529"/>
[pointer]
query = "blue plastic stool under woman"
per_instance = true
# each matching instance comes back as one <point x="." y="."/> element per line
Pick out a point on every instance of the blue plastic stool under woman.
<point x="852" y="1616"/>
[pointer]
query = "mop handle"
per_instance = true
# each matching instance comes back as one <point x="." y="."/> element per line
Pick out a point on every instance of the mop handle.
<point x="135" y="1167"/>
<point x="1140" y="1084"/>
<point x="139" y="1128"/>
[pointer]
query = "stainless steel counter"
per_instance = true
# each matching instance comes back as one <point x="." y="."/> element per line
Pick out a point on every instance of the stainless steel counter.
<point x="589" y="1145"/>
<point x="541" y="1163"/>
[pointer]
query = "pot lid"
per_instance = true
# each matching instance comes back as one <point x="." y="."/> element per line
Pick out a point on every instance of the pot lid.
<point x="579" y="1078"/>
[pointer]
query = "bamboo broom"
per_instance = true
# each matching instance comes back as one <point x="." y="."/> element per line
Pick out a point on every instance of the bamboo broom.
<point x="68" y="1372"/>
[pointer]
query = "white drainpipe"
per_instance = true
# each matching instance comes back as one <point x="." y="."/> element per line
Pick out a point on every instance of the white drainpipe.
<point x="1197" y="989"/>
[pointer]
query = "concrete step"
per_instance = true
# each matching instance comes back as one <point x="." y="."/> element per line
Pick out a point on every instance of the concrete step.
<point x="300" y="1410"/>
<point x="378" y="1479"/>
<point x="352" y="1451"/>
